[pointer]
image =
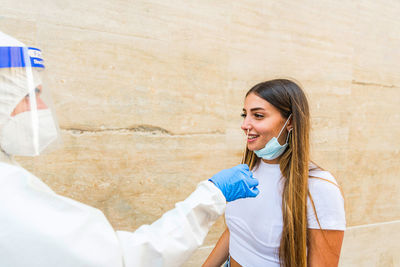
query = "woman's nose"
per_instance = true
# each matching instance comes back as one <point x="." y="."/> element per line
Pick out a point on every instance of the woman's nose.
<point x="245" y="125"/>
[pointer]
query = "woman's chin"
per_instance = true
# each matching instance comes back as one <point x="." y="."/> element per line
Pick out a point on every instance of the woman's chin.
<point x="256" y="144"/>
<point x="253" y="148"/>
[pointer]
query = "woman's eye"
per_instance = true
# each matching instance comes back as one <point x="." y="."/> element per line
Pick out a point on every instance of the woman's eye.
<point x="243" y="115"/>
<point x="258" y="115"/>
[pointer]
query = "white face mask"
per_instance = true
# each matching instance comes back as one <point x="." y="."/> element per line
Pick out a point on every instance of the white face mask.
<point x="16" y="136"/>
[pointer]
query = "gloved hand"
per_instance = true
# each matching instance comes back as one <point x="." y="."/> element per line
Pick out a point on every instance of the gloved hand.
<point x="236" y="182"/>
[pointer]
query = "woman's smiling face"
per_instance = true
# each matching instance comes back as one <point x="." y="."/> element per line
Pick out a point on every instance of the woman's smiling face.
<point x="263" y="122"/>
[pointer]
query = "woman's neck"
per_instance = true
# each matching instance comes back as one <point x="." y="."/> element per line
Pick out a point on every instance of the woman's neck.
<point x="272" y="161"/>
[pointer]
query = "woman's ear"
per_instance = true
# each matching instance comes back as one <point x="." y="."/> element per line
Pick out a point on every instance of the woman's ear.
<point x="289" y="125"/>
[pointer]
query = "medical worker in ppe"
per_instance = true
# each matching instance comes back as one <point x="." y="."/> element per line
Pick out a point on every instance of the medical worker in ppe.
<point x="40" y="228"/>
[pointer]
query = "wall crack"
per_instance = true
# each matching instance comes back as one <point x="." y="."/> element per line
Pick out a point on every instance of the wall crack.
<point x="374" y="84"/>
<point x="140" y="129"/>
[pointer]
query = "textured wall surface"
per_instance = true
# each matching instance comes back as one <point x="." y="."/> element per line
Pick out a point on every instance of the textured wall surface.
<point x="148" y="96"/>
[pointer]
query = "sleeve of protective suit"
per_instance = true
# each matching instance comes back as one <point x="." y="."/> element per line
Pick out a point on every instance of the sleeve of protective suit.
<point x="173" y="238"/>
<point x="39" y="228"/>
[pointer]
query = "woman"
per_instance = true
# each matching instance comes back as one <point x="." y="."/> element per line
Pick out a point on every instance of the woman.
<point x="298" y="218"/>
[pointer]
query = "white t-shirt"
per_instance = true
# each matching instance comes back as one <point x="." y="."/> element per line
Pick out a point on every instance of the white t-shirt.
<point x="255" y="224"/>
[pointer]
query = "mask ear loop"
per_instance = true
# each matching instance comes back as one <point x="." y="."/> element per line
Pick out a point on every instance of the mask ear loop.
<point x="284" y="126"/>
<point x="287" y="137"/>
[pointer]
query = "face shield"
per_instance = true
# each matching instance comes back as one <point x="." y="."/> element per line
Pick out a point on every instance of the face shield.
<point x="27" y="119"/>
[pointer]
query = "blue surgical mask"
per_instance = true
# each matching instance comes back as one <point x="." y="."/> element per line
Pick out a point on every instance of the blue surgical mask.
<point x="273" y="149"/>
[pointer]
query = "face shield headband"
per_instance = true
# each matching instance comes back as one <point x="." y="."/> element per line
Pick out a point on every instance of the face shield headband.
<point x="20" y="57"/>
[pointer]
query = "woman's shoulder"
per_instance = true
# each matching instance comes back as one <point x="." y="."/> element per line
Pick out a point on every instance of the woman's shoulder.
<point x="318" y="174"/>
<point x="321" y="180"/>
<point x="326" y="200"/>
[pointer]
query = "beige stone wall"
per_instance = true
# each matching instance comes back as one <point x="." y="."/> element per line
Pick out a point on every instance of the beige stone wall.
<point x="148" y="96"/>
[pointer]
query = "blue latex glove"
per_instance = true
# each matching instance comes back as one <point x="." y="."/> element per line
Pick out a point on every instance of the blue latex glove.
<point x="236" y="182"/>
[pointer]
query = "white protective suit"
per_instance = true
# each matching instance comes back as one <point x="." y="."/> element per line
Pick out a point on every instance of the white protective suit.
<point x="39" y="228"/>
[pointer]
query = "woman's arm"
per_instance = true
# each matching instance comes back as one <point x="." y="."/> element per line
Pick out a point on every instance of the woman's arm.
<point x="220" y="252"/>
<point x="324" y="247"/>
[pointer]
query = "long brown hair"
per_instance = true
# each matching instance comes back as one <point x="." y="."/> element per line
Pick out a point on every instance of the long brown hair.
<point x="289" y="98"/>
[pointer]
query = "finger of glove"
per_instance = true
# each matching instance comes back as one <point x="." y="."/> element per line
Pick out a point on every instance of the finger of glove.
<point x="244" y="167"/>
<point x="253" y="192"/>
<point x="241" y="190"/>
<point x="234" y="193"/>
<point x="246" y="173"/>
<point x="251" y="181"/>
